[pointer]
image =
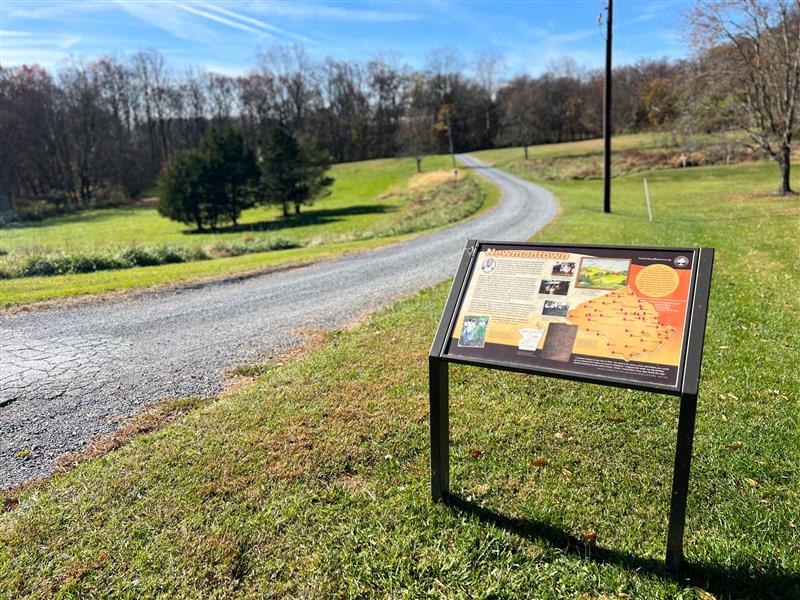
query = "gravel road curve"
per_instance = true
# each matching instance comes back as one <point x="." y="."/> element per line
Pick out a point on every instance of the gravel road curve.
<point x="68" y="374"/>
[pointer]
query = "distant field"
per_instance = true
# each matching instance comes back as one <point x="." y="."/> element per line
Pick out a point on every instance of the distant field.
<point x="621" y="142"/>
<point x="354" y="205"/>
<point x="631" y="154"/>
<point x="372" y="203"/>
<point x="313" y="481"/>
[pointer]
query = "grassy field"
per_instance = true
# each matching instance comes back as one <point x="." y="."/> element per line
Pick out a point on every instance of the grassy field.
<point x="372" y="203"/>
<point x="632" y="154"/>
<point x="355" y="204"/>
<point x="313" y="481"/>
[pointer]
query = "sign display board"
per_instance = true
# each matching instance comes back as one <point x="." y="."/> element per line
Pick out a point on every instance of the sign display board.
<point x="609" y="314"/>
<point x="613" y="315"/>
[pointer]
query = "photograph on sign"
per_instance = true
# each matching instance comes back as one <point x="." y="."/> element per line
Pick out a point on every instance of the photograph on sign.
<point x="615" y="314"/>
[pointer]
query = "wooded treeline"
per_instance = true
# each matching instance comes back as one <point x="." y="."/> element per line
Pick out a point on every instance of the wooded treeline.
<point x="101" y="130"/>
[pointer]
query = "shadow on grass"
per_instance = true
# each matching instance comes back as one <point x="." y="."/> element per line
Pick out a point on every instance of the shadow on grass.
<point x="312" y="217"/>
<point x="83" y="216"/>
<point x="734" y="581"/>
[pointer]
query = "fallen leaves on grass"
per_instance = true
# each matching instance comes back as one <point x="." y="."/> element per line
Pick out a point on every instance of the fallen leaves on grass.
<point x="540" y="463"/>
<point x="9" y="503"/>
<point x="590" y="538"/>
<point x="702" y="594"/>
<point x="475" y="453"/>
<point x="615" y="420"/>
<point x="735" y="446"/>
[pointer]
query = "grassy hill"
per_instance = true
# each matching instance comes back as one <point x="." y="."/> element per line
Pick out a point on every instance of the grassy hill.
<point x="372" y="203"/>
<point x="631" y="154"/>
<point x="313" y="480"/>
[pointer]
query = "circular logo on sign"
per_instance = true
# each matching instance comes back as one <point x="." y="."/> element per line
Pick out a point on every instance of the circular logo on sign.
<point x="488" y="265"/>
<point x="681" y="261"/>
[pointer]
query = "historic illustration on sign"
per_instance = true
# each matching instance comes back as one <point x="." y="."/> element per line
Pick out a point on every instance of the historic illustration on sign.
<point x="559" y="342"/>
<point x="563" y="269"/>
<point x="603" y="273"/>
<point x="553" y="308"/>
<point x="473" y="332"/>
<point x="554" y="287"/>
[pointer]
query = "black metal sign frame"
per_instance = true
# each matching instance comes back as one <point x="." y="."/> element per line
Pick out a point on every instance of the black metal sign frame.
<point x="687" y="388"/>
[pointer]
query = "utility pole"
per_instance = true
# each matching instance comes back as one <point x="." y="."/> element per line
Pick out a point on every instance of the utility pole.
<point x="607" y="116"/>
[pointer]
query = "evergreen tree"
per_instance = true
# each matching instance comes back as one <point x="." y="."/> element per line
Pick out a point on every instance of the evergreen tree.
<point x="291" y="172"/>
<point x="233" y="171"/>
<point x="183" y="190"/>
<point x="314" y="167"/>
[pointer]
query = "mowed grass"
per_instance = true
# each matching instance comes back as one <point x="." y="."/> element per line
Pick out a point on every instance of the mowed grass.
<point x="640" y="141"/>
<point x="371" y="205"/>
<point x="313" y="481"/>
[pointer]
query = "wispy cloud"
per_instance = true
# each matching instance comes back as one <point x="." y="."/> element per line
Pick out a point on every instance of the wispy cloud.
<point x="321" y="11"/>
<point x="20" y="47"/>
<point x="255" y="22"/>
<point x="167" y="17"/>
<point x="223" y="20"/>
<point x="50" y="10"/>
<point x="229" y="70"/>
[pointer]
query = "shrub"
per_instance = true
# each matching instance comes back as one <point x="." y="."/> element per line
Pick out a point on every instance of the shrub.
<point x="137" y="256"/>
<point x="252" y="246"/>
<point x="140" y="257"/>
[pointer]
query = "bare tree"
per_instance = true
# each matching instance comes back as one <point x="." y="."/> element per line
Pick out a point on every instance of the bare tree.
<point x="488" y="71"/>
<point x="387" y="83"/>
<point x="519" y="113"/>
<point x="755" y="47"/>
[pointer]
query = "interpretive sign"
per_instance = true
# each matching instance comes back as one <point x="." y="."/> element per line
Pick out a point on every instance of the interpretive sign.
<point x="608" y="314"/>
<point x="622" y="316"/>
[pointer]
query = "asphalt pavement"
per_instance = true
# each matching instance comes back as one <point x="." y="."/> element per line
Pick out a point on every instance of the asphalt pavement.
<point x="68" y="374"/>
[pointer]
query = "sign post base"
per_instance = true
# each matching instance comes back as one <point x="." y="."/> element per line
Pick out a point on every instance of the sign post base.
<point x="440" y="428"/>
<point x="680" y="484"/>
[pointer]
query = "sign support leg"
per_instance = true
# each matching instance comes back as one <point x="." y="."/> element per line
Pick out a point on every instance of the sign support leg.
<point x="680" y="483"/>
<point x="440" y="428"/>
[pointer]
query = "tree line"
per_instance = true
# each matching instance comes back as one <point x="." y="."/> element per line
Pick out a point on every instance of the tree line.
<point x="101" y="130"/>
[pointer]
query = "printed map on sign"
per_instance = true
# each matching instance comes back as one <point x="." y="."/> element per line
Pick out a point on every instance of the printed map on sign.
<point x="628" y="325"/>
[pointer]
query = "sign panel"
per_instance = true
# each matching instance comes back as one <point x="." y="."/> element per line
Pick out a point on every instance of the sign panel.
<point x="608" y="314"/>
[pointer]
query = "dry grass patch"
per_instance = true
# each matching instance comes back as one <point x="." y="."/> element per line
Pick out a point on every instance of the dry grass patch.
<point x="432" y="179"/>
<point x="151" y="418"/>
<point x="631" y="161"/>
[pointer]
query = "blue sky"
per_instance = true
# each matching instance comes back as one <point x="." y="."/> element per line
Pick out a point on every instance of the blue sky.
<point x="224" y="36"/>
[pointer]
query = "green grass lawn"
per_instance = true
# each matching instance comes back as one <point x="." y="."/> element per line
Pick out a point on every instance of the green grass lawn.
<point x="313" y="481"/>
<point x="370" y="205"/>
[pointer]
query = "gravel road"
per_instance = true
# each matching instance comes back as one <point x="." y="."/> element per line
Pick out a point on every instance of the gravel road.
<point x="68" y="374"/>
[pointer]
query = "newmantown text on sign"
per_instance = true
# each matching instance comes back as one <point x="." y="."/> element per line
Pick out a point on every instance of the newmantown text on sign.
<point x="622" y="316"/>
